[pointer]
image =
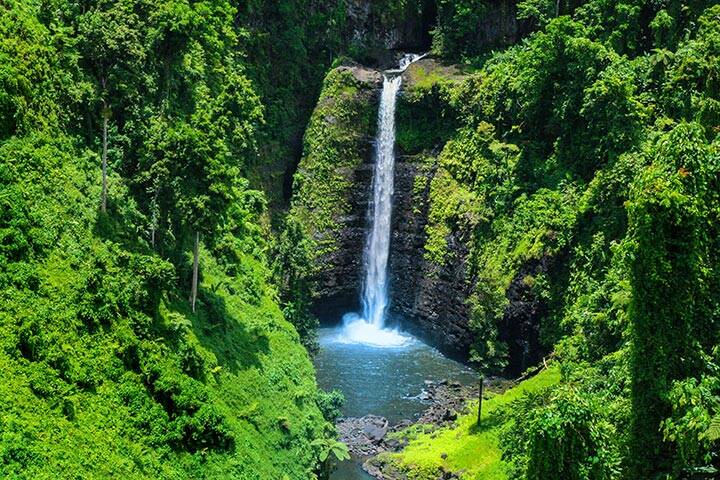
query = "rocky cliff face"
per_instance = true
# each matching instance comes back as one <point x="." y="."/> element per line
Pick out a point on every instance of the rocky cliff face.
<point x="431" y="301"/>
<point x="428" y="300"/>
<point x="332" y="185"/>
<point x="476" y="27"/>
<point x="332" y="197"/>
<point x="338" y="283"/>
<point x="378" y="28"/>
<point x="500" y="27"/>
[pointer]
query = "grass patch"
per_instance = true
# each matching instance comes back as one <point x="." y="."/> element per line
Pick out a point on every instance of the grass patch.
<point x="467" y="447"/>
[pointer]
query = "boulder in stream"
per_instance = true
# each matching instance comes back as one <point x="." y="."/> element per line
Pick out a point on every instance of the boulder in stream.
<point x="364" y="436"/>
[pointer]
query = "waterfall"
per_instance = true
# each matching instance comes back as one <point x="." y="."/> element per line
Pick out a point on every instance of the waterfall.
<point x="377" y="249"/>
<point x="370" y="328"/>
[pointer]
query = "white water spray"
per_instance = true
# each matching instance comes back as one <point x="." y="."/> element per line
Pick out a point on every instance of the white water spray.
<point x="370" y="328"/>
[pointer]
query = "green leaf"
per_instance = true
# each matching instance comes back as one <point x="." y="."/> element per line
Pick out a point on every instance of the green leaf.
<point x="713" y="431"/>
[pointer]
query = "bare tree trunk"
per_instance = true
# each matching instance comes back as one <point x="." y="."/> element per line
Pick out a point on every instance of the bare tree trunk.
<point x="106" y="116"/>
<point x="154" y="215"/>
<point x="196" y="261"/>
<point x="480" y="399"/>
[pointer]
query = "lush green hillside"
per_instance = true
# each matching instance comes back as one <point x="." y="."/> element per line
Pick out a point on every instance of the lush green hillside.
<point x="108" y="370"/>
<point x="153" y="325"/>
<point x="584" y="174"/>
<point x="466" y="447"/>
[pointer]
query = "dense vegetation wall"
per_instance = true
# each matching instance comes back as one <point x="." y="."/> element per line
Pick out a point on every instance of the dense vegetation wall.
<point x="568" y="145"/>
<point x="122" y="139"/>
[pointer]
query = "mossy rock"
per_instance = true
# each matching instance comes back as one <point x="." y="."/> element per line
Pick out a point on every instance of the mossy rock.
<point x="426" y="115"/>
<point x="337" y="141"/>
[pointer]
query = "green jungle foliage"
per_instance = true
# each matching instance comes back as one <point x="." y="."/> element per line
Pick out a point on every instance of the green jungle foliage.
<point x="288" y="46"/>
<point x="584" y="170"/>
<point x="107" y="371"/>
<point x="580" y="164"/>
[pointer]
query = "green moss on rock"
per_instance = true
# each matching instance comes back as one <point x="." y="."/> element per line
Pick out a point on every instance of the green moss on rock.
<point x="426" y="116"/>
<point x="336" y="143"/>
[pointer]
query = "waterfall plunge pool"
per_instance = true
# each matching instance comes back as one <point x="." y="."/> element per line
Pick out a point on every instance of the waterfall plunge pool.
<point x="381" y="380"/>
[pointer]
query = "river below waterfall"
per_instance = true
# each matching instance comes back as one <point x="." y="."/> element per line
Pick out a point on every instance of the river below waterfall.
<point x="385" y="381"/>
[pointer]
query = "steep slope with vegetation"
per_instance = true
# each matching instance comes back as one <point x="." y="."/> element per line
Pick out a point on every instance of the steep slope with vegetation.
<point x="140" y="326"/>
<point x="584" y="177"/>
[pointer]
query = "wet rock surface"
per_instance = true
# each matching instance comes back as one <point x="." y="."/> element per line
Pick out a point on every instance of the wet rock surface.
<point x="429" y="300"/>
<point x="364" y="436"/>
<point x="447" y="399"/>
<point x="370" y="29"/>
<point x="364" y="74"/>
<point x="338" y="281"/>
<point x="368" y="436"/>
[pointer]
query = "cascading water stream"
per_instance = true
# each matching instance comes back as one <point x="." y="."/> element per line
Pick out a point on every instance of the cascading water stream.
<point x="377" y="250"/>
<point x="370" y="328"/>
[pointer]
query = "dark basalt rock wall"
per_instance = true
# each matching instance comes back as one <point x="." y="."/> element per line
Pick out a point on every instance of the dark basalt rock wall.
<point x="332" y="185"/>
<point x="428" y="300"/>
<point x="339" y="283"/>
<point x="377" y="29"/>
<point x="520" y="325"/>
<point x="431" y="301"/>
<point x="501" y="27"/>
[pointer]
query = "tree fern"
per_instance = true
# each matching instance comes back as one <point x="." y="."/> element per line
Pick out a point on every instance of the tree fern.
<point x="713" y="431"/>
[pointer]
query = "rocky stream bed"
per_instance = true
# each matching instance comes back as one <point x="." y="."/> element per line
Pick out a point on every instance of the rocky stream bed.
<point x="370" y="435"/>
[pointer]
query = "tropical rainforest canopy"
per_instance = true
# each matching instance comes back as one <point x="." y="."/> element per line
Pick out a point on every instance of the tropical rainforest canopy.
<point x="157" y="261"/>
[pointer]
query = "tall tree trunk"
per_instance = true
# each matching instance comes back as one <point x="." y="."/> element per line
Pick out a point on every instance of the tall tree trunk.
<point x="106" y="116"/>
<point x="154" y="209"/>
<point x="480" y="399"/>
<point x="196" y="261"/>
